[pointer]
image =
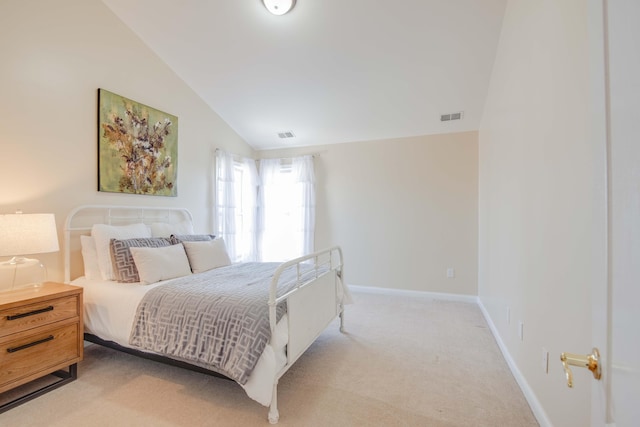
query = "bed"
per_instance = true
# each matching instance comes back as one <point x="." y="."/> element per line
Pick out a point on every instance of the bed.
<point x="247" y="322"/>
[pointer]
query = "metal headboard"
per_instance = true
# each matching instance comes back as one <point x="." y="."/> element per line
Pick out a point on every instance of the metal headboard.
<point x="80" y="220"/>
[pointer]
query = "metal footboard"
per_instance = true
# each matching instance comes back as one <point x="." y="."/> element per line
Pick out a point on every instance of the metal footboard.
<point x="314" y="302"/>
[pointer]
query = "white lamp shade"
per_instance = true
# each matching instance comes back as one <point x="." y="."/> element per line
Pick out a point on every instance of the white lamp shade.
<point x="279" y="7"/>
<point x="25" y="234"/>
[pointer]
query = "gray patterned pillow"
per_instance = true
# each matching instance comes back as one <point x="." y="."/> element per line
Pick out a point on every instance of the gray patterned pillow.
<point x="179" y="238"/>
<point x="124" y="267"/>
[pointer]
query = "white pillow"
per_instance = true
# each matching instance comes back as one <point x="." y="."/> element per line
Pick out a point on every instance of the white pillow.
<point x="163" y="263"/>
<point x="90" y="258"/>
<point x="163" y="229"/>
<point x="103" y="234"/>
<point x="206" y="255"/>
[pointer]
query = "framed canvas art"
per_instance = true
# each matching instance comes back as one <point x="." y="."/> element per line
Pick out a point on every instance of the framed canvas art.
<point x="137" y="147"/>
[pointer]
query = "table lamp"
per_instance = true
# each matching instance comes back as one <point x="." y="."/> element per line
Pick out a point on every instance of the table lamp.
<point x="25" y="234"/>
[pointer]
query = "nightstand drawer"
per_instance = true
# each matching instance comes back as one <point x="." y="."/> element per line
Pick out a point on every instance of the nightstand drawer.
<point x="33" y="353"/>
<point x="34" y="315"/>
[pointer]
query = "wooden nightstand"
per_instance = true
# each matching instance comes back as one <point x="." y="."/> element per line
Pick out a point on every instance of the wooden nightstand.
<point x="41" y="333"/>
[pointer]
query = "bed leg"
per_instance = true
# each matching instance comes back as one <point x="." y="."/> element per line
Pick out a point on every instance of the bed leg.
<point x="274" y="415"/>
<point x="342" y="321"/>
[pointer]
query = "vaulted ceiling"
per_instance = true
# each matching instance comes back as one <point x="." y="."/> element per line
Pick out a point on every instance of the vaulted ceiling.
<point x="329" y="71"/>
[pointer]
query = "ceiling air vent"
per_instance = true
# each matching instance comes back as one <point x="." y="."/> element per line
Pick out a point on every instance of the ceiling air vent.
<point x="285" y="135"/>
<point x="451" y="116"/>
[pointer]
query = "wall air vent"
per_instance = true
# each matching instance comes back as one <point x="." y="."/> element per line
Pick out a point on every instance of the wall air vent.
<point x="285" y="135"/>
<point x="451" y="116"/>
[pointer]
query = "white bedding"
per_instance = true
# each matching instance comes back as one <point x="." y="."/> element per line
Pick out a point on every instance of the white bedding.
<point x="110" y="308"/>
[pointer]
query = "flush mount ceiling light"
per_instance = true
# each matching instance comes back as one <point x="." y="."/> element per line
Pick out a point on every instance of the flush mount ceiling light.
<point x="279" y="7"/>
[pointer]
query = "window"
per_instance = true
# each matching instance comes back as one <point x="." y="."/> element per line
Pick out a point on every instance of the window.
<point x="245" y="212"/>
<point x="282" y="226"/>
<point x="236" y="191"/>
<point x="287" y="208"/>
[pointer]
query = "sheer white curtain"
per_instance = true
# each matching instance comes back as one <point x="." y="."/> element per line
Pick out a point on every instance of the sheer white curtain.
<point x="269" y="171"/>
<point x="225" y="201"/>
<point x="235" y="205"/>
<point x="304" y="177"/>
<point x="286" y="208"/>
<point x="248" y="229"/>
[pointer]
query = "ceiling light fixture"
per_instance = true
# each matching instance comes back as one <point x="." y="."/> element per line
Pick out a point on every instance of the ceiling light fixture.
<point x="279" y="7"/>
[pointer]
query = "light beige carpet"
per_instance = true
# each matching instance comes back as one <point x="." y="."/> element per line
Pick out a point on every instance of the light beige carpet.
<point x="403" y="362"/>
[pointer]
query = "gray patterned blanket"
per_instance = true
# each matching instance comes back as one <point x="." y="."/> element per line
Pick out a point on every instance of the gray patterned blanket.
<point x="218" y="319"/>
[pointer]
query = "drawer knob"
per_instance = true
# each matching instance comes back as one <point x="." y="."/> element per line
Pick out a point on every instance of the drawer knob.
<point x="31" y="344"/>
<point x="30" y="313"/>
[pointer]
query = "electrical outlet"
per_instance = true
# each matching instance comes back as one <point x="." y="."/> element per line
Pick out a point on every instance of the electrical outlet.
<point x="451" y="273"/>
<point x="545" y="360"/>
<point x="521" y="330"/>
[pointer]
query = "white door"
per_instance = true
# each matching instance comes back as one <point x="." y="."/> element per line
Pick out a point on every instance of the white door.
<point x="616" y="399"/>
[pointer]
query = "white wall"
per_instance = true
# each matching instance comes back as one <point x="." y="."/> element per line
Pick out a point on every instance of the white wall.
<point x="541" y="200"/>
<point x="403" y="210"/>
<point x="55" y="56"/>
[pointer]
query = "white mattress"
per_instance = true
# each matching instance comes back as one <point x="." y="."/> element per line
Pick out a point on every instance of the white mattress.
<point x="110" y="308"/>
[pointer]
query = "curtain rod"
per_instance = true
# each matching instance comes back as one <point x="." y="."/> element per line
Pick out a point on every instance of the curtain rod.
<point x="314" y="155"/>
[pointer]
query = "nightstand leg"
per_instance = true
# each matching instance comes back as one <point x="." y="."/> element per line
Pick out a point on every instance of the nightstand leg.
<point x="65" y="377"/>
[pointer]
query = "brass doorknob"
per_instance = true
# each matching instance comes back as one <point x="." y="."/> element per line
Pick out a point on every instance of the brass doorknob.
<point x="589" y="361"/>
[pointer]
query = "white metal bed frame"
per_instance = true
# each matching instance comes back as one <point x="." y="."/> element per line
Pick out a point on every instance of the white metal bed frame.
<point x="312" y="304"/>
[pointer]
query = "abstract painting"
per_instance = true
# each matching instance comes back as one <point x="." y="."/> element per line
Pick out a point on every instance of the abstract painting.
<point x="137" y="147"/>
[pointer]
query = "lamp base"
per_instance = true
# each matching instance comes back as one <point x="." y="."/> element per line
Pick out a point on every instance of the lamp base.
<point x="21" y="272"/>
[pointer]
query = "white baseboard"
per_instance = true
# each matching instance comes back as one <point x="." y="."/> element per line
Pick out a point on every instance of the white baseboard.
<point x="415" y="294"/>
<point x="534" y="403"/>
